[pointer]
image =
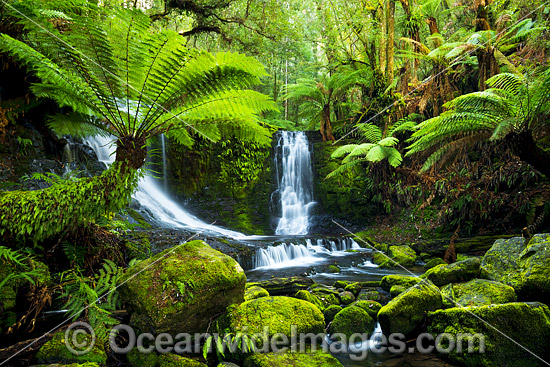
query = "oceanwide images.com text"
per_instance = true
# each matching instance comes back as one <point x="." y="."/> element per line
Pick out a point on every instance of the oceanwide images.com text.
<point x="80" y="338"/>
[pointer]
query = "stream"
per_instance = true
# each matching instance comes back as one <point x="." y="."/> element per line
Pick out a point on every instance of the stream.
<point x="291" y="251"/>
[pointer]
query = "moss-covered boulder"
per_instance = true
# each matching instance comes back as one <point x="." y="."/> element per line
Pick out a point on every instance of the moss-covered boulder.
<point x="346" y="297"/>
<point x="369" y="295"/>
<point x="182" y="288"/>
<point x="500" y="262"/>
<point x="139" y="359"/>
<point x="311" y="298"/>
<point x="525" y="267"/>
<point x="330" y="312"/>
<point x="278" y="314"/>
<point x="354" y="288"/>
<point x="255" y="292"/>
<point x="396" y="255"/>
<point x="333" y="269"/>
<point x="56" y="351"/>
<point x="434" y="262"/>
<point x="461" y="271"/>
<point x="395" y="279"/>
<point x="407" y="311"/>
<point x="526" y="324"/>
<point x="396" y="290"/>
<point x="477" y="292"/>
<point x="340" y="284"/>
<point x="371" y="307"/>
<point x="327" y="295"/>
<point x="351" y="320"/>
<point x="175" y="360"/>
<point x="284" y="286"/>
<point x="313" y="359"/>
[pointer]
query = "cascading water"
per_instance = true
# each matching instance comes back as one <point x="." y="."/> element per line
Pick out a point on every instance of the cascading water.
<point x="164" y="210"/>
<point x="295" y="183"/>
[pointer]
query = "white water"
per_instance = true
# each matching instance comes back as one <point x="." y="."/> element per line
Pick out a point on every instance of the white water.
<point x="296" y="183"/>
<point x="295" y="255"/>
<point x="153" y="199"/>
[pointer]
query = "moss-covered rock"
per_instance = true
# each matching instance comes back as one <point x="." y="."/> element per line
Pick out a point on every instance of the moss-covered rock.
<point x="313" y="359"/>
<point x="333" y="269"/>
<point x="139" y="359"/>
<point x="354" y="288"/>
<point x="86" y="364"/>
<point x="56" y="350"/>
<point x="371" y="307"/>
<point x="255" y="292"/>
<point x="278" y="314"/>
<point x="396" y="290"/>
<point x="396" y="255"/>
<point x="346" y="297"/>
<point x="351" y="320"/>
<point x="461" y="271"/>
<point x="180" y="289"/>
<point x="525" y="267"/>
<point x="311" y="298"/>
<point x="330" y="312"/>
<point x="340" y="284"/>
<point x="327" y="295"/>
<point x="434" y="262"/>
<point x="477" y="292"/>
<point x="283" y="286"/>
<point x="395" y="279"/>
<point x="369" y="295"/>
<point x="500" y="262"/>
<point x="407" y="311"/>
<point x="527" y="324"/>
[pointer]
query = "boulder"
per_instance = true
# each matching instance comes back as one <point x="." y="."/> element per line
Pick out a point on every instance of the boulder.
<point x="434" y="262"/>
<point x="180" y="289"/>
<point x="255" y="292"/>
<point x="525" y="267"/>
<point x="351" y="320"/>
<point x="346" y="297"/>
<point x="526" y="324"/>
<point x="55" y="350"/>
<point x="284" y="286"/>
<point x="278" y="314"/>
<point x="311" y="298"/>
<point x="139" y="359"/>
<point x="312" y="359"/>
<point x="340" y="284"/>
<point x="371" y="307"/>
<point x="477" y="292"/>
<point x="460" y="271"/>
<point x="333" y="269"/>
<point x="407" y="311"/>
<point x="396" y="255"/>
<point x="395" y="279"/>
<point x="396" y="290"/>
<point x="327" y="295"/>
<point x="330" y="312"/>
<point x="354" y="288"/>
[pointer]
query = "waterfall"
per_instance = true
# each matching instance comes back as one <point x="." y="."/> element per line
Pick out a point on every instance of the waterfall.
<point x="295" y="184"/>
<point x="164" y="175"/>
<point x="152" y="198"/>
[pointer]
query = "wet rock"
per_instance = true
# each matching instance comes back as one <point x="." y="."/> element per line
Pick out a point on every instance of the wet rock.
<point x="351" y="320"/>
<point x="254" y="292"/>
<point x="460" y="271"/>
<point x="312" y="359"/>
<point x="477" y="292"/>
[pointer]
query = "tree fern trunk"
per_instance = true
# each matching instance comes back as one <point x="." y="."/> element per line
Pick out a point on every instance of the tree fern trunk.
<point x="525" y="147"/>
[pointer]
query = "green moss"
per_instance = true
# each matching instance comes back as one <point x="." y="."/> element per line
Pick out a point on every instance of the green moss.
<point x="174" y="360"/>
<point x="313" y="359"/>
<point x="276" y="313"/>
<point x="354" y="288"/>
<point x="369" y="296"/>
<point x="346" y="297"/>
<point x="371" y="307"/>
<point x="340" y="284"/>
<point x="56" y="351"/>
<point x="396" y="290"/>
<point x="396" y="255"/>
<point x="283" y="286"/>
<point x="138" y="359"/>
<point x="434" y="262"/>
<point x="352" y="320"/>
<point x="331" y="311"/>
<point x="333" y="269"/>
<point x="477" y="292"/>
<point x="311" y="298"/>
<point x="457" y="272"/>
<point x="255" y="292"/>
<point x="501" y="261"/>
<point x="181" y="288"/>
<point x="527" y="323"/>
<point x="395" y="279"/>
<point x="407" y="311"/>
<point x="327" y="295"/>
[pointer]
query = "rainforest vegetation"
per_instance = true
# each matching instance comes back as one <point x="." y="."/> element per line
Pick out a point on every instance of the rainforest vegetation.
<point x="430" y="119"/>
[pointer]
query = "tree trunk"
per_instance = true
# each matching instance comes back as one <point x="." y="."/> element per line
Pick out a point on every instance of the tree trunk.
<point x="383" y="39"/>
<point x="131" y="151"/>
<point x="525" y="147"/>
<point x="326" y="126"/>
<point x="390" y="23"/>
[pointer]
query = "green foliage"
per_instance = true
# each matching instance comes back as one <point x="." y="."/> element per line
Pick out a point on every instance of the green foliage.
<point x="18" y="267"/>
<point x="65" y="205"/>
<point x="515" y="104"/>
<point x="242" y="162"/>
<point x="136" y="83"/>
<point x="239" y="342"/>
<point x="96" y="296"/>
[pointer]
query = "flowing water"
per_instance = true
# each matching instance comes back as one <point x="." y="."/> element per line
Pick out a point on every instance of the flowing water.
<point x="295" y="183"/>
